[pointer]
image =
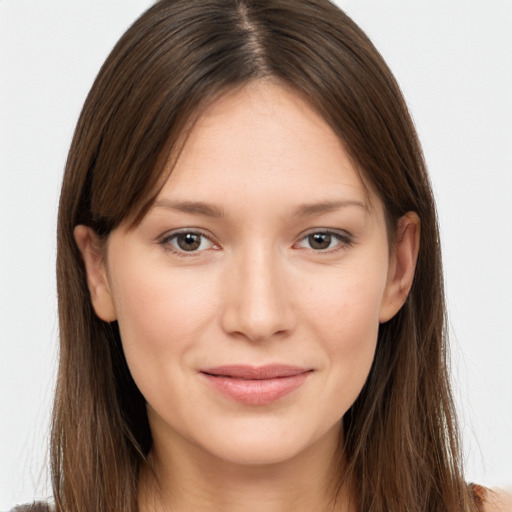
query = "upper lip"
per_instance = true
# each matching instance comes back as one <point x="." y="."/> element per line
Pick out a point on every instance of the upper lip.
<point x="247" y="372"/>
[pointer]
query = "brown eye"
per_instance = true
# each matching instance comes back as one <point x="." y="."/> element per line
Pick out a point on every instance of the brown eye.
<point x="325" y="241"/>
<point x="188" y="241"/>
<point x="320" y="241"/>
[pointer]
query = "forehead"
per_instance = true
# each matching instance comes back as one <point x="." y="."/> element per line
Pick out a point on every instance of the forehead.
<point x="263" y="141"/>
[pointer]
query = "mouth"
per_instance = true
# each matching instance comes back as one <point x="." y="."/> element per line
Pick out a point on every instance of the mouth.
<point x="256" y="385"/>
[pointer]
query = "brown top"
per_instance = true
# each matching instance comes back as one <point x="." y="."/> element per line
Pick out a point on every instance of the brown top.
<point x="34" y="507"/>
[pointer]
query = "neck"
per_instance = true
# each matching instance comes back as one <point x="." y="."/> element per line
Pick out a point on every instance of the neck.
<point x="186" y="478"/>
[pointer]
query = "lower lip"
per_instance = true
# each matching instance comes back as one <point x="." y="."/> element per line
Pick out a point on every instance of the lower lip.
<point x="257" y="392"/>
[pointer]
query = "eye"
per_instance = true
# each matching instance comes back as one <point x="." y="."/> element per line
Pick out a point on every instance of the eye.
<point x="324" y="241"/>
<point x="187" y="241"/>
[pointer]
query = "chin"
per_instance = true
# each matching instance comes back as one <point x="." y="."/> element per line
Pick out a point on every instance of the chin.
<point x="262" y="444"/>
<point x="258" y="453"/>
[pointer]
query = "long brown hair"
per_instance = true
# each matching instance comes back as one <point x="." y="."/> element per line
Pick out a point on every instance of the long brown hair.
<point x="400" y="436"/>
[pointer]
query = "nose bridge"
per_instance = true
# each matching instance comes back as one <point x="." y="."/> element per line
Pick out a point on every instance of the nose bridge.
<point x="258" y="303"/>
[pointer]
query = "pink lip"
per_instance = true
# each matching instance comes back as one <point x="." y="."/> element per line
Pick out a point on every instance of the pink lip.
<point x="256" y="385"/>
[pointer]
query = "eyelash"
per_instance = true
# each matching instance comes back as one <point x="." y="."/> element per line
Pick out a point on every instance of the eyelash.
<point x="343" y="238"/>
<point x="165" y="242"/>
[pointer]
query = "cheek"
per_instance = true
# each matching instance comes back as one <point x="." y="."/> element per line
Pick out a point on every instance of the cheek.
<point x="346" y="308"/>
<point x="346" y="318"/>
<point x="159" y="315"/>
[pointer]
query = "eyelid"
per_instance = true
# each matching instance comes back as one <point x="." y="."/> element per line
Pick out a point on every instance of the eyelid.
<point x="164" y="241"/>
<point x="344" y="238"/>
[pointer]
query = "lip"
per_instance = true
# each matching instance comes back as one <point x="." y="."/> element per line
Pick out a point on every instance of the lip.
<point x="256" y="385"/>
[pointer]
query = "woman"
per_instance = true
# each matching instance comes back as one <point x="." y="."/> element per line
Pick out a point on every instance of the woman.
<point x="250" y="292"/>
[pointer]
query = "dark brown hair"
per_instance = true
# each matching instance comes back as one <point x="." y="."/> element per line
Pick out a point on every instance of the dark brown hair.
<point x="400" y="436"/>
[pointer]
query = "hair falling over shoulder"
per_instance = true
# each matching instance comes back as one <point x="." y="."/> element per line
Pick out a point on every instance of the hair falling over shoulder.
<point x="401" y="441"/>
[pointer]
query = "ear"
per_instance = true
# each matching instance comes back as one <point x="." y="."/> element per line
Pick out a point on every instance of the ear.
<point x="401" y="266"/>
<point x="90" y="246"/>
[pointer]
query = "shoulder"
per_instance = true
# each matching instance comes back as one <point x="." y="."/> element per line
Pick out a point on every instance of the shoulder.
<point x="497" y="500"/>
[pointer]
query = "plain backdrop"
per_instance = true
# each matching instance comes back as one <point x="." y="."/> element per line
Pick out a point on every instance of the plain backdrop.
<point x="453" y="60"/>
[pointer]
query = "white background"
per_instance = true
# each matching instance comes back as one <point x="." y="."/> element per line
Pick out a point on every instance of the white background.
<point x="453" y="59"/>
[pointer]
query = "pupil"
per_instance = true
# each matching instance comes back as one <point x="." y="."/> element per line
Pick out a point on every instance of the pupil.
<point x="320" y="240"/>
<point x="189" y="241"/>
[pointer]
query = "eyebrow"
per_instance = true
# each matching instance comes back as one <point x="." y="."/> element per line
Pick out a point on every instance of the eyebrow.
<point x="192" y="207"/>
<point x="210" y="210"/>
<point x="306" y="210"/>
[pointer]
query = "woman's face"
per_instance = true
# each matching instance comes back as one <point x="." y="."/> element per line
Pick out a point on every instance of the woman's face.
<point x="250" y="296"/>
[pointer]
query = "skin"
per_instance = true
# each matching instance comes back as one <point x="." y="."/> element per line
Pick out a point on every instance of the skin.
<point x="256" y="291"/>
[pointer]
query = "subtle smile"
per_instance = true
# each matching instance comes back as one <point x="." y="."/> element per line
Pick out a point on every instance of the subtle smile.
<point x="256" y="385"/>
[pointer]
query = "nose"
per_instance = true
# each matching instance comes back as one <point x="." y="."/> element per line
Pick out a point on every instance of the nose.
<point x="258" y="304"/>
